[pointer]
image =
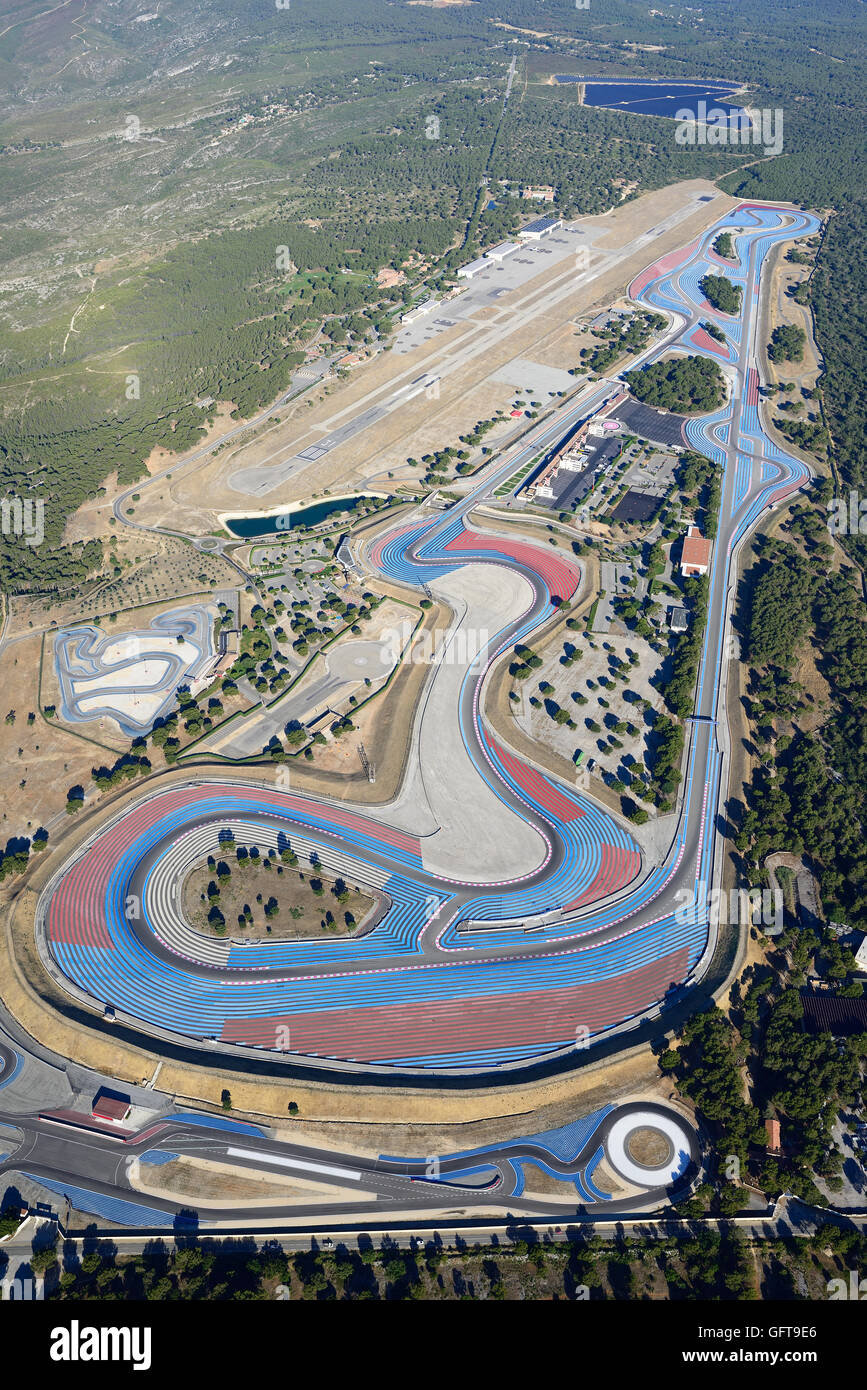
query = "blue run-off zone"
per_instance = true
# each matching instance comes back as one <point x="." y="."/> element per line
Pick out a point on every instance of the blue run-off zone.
<point x="8" y="1076"/>
<point x="167" y="995"/>
<point x="114" y="1209"/>
<point x="669" y="291"/>
<point x="564" y="1144"/>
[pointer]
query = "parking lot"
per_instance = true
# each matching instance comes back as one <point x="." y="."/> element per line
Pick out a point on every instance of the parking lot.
<point x="616" y="580"/>
<point x="850" y="1135"/>
<point x="294" y="570"/>
<point x="660" y="426"/>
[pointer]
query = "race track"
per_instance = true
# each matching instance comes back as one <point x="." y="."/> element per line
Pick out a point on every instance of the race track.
<point x="415" y="992"/>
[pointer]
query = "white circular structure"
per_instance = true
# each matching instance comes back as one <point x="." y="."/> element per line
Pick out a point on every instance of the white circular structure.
<point x="666" y="1128"/>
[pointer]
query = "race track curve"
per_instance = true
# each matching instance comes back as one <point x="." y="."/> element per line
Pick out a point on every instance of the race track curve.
<point x="415" y="993"/>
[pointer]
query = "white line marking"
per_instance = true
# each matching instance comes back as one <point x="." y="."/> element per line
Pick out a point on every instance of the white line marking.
<point x="294" y="1163"/>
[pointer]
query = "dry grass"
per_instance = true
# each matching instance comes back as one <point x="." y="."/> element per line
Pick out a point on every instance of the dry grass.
<point x="223" y="1185"/>
<point x="42" y="759"/>
<point x="163" y="571"/>
<point x="301" y="913"/>
<point x="422" y="425"/>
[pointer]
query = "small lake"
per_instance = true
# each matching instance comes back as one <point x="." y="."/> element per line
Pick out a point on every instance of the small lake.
<point x="248" y="527"/>
<point x="661" y="97"/>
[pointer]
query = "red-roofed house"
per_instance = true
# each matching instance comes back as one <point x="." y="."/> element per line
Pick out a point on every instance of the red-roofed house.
<point x="110" y="1105"/>
<point x="695" y="556"/>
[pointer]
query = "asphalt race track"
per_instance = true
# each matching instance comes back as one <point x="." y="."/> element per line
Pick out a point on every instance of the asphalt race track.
<point x="415" y="993"/>
<point x="83" y="1163"/>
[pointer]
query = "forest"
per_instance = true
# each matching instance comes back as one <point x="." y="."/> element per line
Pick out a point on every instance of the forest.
<point x="807" y="794"/>
<point x="522" y="1265"/>
<point x="838" y="292"/>
<point x="787" y="343"/>
<point x="722" y="294"/>
<point x="321" y="144"/>
<point x="798" y="1077"/>
<point x="684" y="385"/>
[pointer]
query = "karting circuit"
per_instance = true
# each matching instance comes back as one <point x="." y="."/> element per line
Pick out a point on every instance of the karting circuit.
<point x="579" y="941"/>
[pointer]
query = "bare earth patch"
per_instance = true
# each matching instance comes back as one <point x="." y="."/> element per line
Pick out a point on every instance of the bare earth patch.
<point x="648" y="1147"/>
<point x="295" y="907"/>
<point x="222" y="1184"/>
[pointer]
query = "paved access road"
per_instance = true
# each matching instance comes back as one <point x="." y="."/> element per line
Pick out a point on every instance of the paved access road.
<point x="415" y="994"/>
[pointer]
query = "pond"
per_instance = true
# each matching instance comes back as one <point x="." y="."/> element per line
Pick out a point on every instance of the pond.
<point x="658" y="97"/>
<point x="309" y="514"/>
